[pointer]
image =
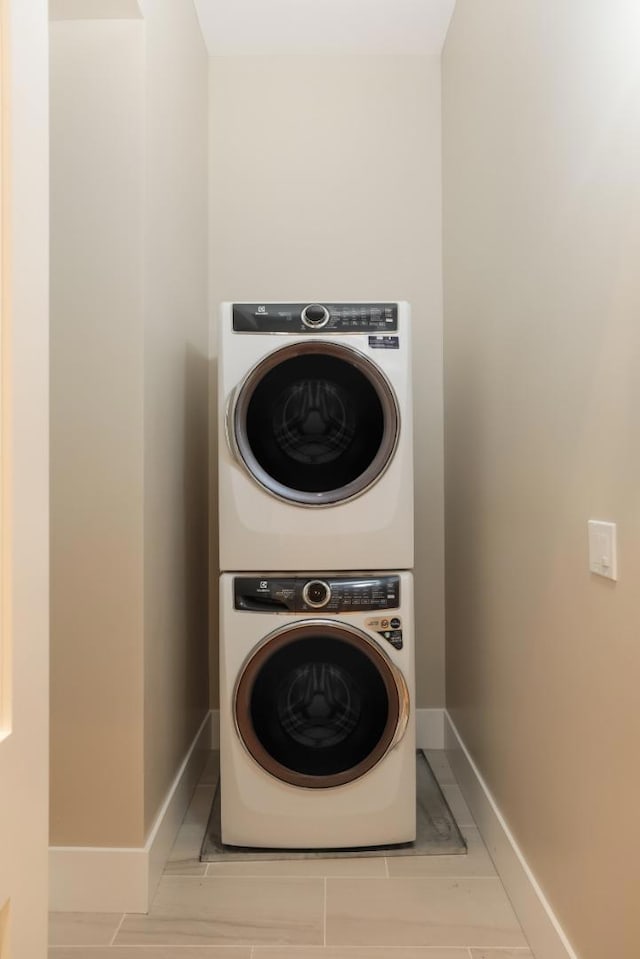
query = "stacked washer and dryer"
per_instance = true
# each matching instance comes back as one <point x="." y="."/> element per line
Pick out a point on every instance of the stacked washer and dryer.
<point x="317" y="713"/>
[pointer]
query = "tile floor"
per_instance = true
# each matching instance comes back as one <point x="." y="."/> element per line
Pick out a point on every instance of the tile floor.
<point x="431" y="907"/>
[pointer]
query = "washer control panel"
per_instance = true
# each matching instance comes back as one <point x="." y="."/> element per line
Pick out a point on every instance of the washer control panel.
<point x="311" y="317"/>
<point x="326" y="594"/>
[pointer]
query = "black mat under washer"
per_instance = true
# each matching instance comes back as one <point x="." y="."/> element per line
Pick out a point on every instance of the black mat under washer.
<point x="437" y="831"/>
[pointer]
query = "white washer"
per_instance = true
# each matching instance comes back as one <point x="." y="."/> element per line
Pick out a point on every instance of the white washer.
<point x="317" y="719"/>
<point x="315" y="444"/>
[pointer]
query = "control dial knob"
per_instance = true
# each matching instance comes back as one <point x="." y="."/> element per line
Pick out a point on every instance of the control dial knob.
<point x="316" y="593"/>
<point x="315" y="316"/>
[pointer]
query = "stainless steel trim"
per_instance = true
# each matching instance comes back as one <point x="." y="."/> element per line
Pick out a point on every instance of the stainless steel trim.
<point x="305" y="593"/>
<point x="228" y="425"/>
<point x="310" y="323"/>
<point x="241" y="449"/>
<point x="405" y="710"/>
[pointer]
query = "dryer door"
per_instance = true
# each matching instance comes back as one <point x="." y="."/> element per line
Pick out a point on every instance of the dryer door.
<point x="318" y="704"/>
<point x="315" y="423"/>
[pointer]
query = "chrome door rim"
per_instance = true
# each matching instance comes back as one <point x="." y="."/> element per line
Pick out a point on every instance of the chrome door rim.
<point x="237" y="416"/>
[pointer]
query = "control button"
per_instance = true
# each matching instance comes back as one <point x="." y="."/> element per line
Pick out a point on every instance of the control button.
<point x="315" y="316"/>
<point x="316" y="593"/>
<point x="395" y="623"/>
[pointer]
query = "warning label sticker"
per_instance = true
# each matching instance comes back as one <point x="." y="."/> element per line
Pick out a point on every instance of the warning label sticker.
<point x="384" y="342"/>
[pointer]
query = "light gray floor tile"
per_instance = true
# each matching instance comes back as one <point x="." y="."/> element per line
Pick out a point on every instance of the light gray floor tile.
<point x="230" y="911"/>
<point x="211" y="770"/>
<point x="420" y="911"/>
<point x="82" y="928"/>
<point x="199" y="808"/>
<point x="457" y="805"/>
<point x="153" y="952"/>
<point x="185" y="867"/>
<point x="440" y="765"/>
<point x="184" y="858"/>
<point x="365" y="866"/>
<point x="501" y="954"/>
<point x="477" y="861"/>
<point x="355" y="952"/>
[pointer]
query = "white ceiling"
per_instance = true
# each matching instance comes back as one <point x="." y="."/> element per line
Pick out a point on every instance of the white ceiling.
<point x="324" y="26"/>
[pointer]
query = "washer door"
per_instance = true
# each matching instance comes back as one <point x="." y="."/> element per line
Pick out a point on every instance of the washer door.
<point x="315" y="423"/>
<point x="318" y="704"/>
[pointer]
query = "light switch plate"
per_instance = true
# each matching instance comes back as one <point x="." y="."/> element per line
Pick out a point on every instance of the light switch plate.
<point x="603" y="549"/>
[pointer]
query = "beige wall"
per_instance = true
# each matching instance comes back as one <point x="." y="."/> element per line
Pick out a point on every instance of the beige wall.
<point x="97" y="113"/>
<point x="541" y="128"/>
<point x="129" y="343"/>
<point x="325" y="184"/>
<point x="175" y="392"/>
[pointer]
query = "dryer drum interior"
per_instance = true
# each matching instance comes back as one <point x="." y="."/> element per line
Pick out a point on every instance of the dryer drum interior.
<point x="318" y="704"/>
<point x="316" y="423"/>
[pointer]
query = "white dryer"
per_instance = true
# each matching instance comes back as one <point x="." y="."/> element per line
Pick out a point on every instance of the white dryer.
<point x="317" y="721"/>
<point x="315" y="436"/>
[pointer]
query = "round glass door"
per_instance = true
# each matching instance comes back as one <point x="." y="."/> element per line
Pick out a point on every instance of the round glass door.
<point x="316" y="423"/>
<point x="318" y="704"/>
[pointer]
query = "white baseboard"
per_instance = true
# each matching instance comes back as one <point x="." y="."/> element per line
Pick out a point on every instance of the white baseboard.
<point x="101" y="879"/>
<point x="429" y="728"/>
<point x="541" y="927"/>
<point x="165" y="828"/>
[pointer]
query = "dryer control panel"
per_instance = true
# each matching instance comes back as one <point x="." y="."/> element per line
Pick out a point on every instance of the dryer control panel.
<point x="310" y="317"/>
<point x="331" y="594"/>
